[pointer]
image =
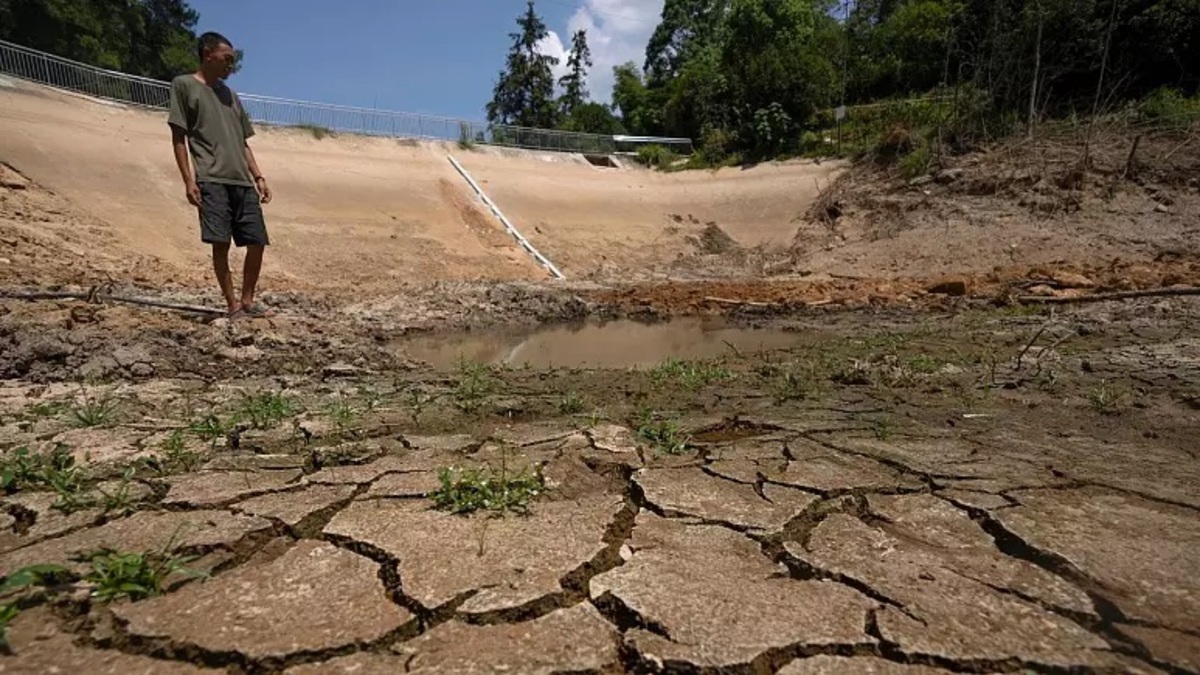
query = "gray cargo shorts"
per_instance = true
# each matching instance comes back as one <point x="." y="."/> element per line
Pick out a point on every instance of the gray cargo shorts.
<point x="231" y="211"/>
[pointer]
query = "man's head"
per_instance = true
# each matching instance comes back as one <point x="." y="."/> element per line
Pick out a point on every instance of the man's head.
<point x="217" y="57"/>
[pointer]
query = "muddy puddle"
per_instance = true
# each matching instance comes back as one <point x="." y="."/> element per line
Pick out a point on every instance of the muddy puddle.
<point x="616" y="344"/>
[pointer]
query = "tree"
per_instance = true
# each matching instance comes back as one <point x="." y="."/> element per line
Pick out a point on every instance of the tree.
<point x="574" y="83"/>
<point x="524" y="92"/>
<point x="593" y="118"/>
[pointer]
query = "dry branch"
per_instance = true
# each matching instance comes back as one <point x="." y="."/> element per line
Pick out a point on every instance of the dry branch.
<point x="1101" y="297"/>
<point x="95" y="296"/>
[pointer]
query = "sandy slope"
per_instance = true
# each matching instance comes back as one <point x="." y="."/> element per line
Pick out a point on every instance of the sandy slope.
<point x="360" y="214"/>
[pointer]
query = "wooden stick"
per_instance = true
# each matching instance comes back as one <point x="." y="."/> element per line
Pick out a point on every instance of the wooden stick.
<point x="96" y="297"/>
<point x="1101" y="297"/>
<point x="749" y="303"/>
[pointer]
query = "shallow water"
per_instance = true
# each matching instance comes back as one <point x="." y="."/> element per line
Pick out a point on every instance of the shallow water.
<point x="616" y="344"/>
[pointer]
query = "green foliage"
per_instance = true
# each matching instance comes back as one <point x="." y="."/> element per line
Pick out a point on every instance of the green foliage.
<point x="524" y="93"/>
<point x="916" y="162"/>
<point x="136" y="576"/>
<point x="267" y="409"/>
<point x="18" y="581"/>
<point x="476" y="384"/>
<point x="151" y="38"/>
<point x="662" y="435"/>
<point x="571" y="403"/>
<point x="22" y="469"/>
<point x="574" y="83"/>
<point x="1169" y="105"/>
<point x="93" y="412"/>
<point x="475" y="489"/>
<point x="656" y="157"/>
<point x="210" y="427"/>
<point x="174" y="456"/>
<point x="318" y="132"/>
<point x="691" y="375"/>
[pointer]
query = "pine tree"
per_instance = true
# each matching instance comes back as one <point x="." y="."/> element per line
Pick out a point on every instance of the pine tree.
<point x="524" y="93"/>
<point x="574" y="83"/>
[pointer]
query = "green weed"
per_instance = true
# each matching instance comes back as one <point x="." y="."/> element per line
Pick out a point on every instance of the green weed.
<point x="56" y="470"/>
<point x="93" y="412"/>
<point x="18" y="581"/>
<point x="1106" y="399"/>
<point x="120" y="502"/>
<point x="689" y="374"/>
<point x="475" y="489"/>
<point x="136" y="576"/>
<point x="571" y="403"/>
<point x="174" y="456"/>
<point x="267" y="409"/>
<point x="318" y="132"/>
<point x="343" y="414"/>
<point x="476" y="384"/>
<point x="45" y="410"/>
<point x="210" y="427"/>
<point x="662" y="435"/>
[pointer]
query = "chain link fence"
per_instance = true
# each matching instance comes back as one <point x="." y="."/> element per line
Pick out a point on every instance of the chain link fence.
<point x="30" y="64"/>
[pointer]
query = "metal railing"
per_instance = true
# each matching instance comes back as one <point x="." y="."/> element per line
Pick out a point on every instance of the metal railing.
<point x="36" y="66"/>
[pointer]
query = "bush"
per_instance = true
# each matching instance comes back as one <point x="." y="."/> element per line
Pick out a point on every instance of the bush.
<point x="916" y="163"/>
<point x="1170" y="105"/>
<point x="656" y="156"/>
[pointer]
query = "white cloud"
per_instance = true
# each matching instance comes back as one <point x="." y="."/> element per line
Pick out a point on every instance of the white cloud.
<point x="617" y="30"/>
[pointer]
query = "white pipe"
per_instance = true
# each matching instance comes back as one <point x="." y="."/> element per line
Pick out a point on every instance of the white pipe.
<point x="516" y="234"/>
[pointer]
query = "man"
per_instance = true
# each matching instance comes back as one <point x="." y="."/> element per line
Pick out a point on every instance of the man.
<point x="227" y="187"/>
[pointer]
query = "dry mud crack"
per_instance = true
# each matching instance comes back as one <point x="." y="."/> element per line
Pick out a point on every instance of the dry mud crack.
<point x="825" y="534"/>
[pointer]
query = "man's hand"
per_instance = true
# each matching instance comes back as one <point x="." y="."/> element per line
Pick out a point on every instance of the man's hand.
<point x="193" y="193"/>
<point x="264" y="190"/>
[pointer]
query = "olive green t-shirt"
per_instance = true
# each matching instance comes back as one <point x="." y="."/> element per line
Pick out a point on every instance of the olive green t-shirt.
<point x="217" y="127"/>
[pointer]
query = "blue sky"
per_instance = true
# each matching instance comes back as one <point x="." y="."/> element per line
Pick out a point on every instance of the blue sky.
<point x="438" y="57"/>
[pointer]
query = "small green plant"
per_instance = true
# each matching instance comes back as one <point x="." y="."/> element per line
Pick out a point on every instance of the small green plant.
<point x="210" y="427"/>
<point x="174" y="456"/>
<point x="1106" y="399"/>
<point x="136" y="576"/>
<point x="19" y="581"/>
<point x="662" y="435"/>
<point x="882" y="429"/>
<point x="56" y="470"/>
<point x="790" y="386"/>
<point x="690" y="374"/>
<point x="120" y="502"/>
<point x="343" y="414"/>
<point x="465" y="138"/>
<point x="45" y="409"/>
<point x="93" y="412"/>
<point x="265" y="410"/>
<point x="656" y="157"/>
<point x="476" y="383"/>
<point x="571" y="403"/>
<point x="475" y="489"/>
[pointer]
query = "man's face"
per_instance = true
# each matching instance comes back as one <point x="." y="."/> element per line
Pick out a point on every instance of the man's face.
<point x="220" y="60"/>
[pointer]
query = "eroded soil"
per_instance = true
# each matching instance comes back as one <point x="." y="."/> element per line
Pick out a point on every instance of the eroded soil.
<point x="984" y="490"/>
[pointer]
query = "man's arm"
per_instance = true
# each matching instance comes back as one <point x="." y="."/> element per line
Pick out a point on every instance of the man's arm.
<point x="179" y="144"/>
<point x="264" y="191"/>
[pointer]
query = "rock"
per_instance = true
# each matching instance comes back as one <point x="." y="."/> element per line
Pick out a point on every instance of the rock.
<point x="143" y="531"/>
<point x="1141" y="553"/>
<point x="253" y="610"/>
<point x="243" y="340"/>
<point x="950" y="593"/>
<point x="99" y="367"/>
<point x="294" y="507"/>
<point x="49" y="521"/>
<point x="722" y="602"/>
<point x="340" y="369"/>
<point x="102" y="444"/>
<point x="212" y="488"/>
<point x="1072" y="280"/>
<point x="691" y="491"/>
<point x="507" y="562"/>
<point x="404" y="485"/>
<point x="40" y="646"/>
<point x="1162" y="208"/>
<point x="141" y="370"/>
<point x="572" y="640"/>
<point x="365" y="473"/>
<point x="1167" y="646"/>
<point x="1042" y="290"/>
<point x="127" y="357"/>
<point x="857" y="665"/>
<point x="954" y="286"/>
<point x="818" y="468"/>
<point x="921" y="180"/>
<point x="250" y="353"/>
<point x="947" y="176"/>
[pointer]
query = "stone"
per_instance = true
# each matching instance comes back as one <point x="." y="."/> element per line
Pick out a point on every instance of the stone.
<point x="1141" y="553"/>
<point x="857" y="665"/>
<point x="953" y="286"/>
<point x="314" y="597"/>
<point x="101" y="444"/>
<point x="404" y="485"/>
<point x="498" y="563"/>
<point x="358" y="474"/>
<point x="212" y="488"/>
<point x="126" y="357"/>
<point x="294" y="507"/>
<point x="340" y="369"/>
<point x="141" y="370"/>
<point x="1072" y="280"/>
<point x="818" y="468"/>
<point x="98" y="367"/>
<point x="143" y="531"/>
<point x="40" y="647"/>
<point x="1181" y="650"/>
<point x="947" y="176"/>
<point x="572" y="640"/>
<point x="692" y="492"/>
<point x="721" y="601"/>
<point x="48" y="521"/>
<point x="947" y="596"/>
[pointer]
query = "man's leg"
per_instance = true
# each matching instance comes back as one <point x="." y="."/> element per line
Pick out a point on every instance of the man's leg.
<point x="250" y="271"/>
<point x="220" y="256"/>
<point x="216" y="216"/>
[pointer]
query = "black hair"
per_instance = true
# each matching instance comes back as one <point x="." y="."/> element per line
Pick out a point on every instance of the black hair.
<point x="210" y="40"/>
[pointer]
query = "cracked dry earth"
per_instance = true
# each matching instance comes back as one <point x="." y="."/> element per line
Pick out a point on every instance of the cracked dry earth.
<point x="796" y="546"/>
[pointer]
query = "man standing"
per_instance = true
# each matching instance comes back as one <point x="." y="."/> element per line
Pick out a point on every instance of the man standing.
<point x="227" y="187"/>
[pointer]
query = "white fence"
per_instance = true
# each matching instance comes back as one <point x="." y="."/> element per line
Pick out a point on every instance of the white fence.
<point x="43" y="68"/>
